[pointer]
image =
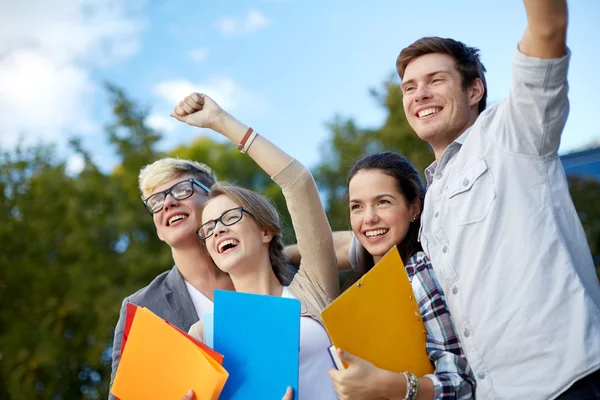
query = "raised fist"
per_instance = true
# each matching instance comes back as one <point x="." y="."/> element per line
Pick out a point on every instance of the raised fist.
<point x="199" y="110"/>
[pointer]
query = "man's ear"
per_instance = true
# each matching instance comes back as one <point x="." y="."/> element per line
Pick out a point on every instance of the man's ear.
<point x="476" y="92"/>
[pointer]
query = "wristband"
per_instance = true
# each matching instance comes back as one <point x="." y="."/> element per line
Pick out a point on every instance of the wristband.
<point x="246" y="140"/>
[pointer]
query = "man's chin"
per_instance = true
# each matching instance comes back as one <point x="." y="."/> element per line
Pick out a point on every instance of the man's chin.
<point x="183" y="240"/>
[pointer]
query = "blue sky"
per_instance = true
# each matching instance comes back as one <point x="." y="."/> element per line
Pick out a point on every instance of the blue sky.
<point x="286" y="67"/>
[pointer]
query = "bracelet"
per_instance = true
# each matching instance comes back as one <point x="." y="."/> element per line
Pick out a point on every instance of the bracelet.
<point x="407" y="385"/>
<point x="247" y="140"/>
<point x="412" y="386"/>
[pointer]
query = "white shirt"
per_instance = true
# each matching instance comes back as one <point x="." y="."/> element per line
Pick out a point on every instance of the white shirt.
<point x="508" y="247"/>
<point x="313" y="382"/>
<point x="202" y="304"/>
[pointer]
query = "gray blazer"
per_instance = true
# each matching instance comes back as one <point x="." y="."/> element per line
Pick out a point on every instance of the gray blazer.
<point x="166" y="296"/>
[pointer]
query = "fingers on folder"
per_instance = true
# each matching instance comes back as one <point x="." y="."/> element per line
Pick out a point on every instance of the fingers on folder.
<point x="189" y="395"/>
<point x="289" y="394"/>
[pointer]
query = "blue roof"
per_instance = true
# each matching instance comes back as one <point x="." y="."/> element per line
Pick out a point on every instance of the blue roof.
<point x="585" y="163"/>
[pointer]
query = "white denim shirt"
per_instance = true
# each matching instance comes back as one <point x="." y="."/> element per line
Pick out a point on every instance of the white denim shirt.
<point x="508" y="247"/>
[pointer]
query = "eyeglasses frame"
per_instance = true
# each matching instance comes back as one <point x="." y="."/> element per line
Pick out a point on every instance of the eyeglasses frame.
<point x="168" y="191"/>
<point x="242" y="209"/>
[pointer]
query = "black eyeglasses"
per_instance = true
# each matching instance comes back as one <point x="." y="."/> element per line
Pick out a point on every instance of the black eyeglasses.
<point x="228" y="218"/>
<point x="180" y="191"/>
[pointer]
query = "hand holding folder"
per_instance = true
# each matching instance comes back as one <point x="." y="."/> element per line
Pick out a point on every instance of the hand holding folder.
<point x="378" y="319"/>
<point x="259" y="336"/>
<point x="159" y="361"/>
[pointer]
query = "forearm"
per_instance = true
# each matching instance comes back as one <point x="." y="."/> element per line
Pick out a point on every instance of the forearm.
<point x="292" y="254"/>
<point x="341" y="243"/>
<point x="546" y="33"/>
<point x="393" y="386"/>
<point x="313" y="234"/>
<point x="267" y="155"/>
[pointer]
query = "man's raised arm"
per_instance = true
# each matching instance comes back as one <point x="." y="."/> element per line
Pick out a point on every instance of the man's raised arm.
<point x="546" y="32"/>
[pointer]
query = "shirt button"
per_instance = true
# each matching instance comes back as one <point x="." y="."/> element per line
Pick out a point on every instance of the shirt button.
<point x="481" y="375"/>
<point x="465" y="182"/>
<point x="454" y="290"/>
<point x="467" y="333"/>
<point x="439" y="175"/>
<point x="437" y="214"/>
<point x="445" y="249"/>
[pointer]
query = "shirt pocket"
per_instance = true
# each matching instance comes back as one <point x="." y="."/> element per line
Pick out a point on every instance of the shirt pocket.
<point x="472" y="193"/>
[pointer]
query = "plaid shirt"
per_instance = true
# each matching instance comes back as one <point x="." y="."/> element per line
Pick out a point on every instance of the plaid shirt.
<point x="453" y="378"/>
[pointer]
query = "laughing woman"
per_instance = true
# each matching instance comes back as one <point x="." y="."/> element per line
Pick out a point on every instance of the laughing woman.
<point x="242" y="233"/>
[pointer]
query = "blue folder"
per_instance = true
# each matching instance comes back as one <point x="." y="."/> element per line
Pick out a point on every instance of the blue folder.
<point x="259" y="337"/>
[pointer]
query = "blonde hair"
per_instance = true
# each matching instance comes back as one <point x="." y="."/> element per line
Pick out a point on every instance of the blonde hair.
<point x="267" y="218"/>
<point x="161" y="171"/>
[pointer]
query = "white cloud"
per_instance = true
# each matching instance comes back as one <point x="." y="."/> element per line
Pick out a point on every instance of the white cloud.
<point x="224" y="90"/>
<point x="198" y="55"/>
<point x="229" y="94"/>
<point x="47" y="53"/>
<point x="256" y="20"/>
<point x="75" y="164"/>
<point x="253" y="21"/>
<point x="162" y="122"/>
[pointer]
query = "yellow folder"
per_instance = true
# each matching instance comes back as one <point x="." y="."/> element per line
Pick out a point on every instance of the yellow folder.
<point x="378" y="319"/>
<point x="161" y="363"/>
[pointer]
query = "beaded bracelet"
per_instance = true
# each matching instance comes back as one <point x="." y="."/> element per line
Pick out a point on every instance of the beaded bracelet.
<point x="412" y="386"/>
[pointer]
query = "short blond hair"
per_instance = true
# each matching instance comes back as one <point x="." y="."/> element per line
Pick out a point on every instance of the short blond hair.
<point x="161" y="171"/>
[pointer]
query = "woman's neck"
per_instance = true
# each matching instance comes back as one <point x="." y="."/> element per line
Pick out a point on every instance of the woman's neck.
<point x="256" y="276"/>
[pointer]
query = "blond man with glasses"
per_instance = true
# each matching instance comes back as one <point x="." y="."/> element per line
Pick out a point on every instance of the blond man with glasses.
<point x="173" y="192"/>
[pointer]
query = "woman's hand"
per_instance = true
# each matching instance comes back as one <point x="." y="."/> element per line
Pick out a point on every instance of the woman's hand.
<point x="361" y="380"/>
<point x="289" y="394"/>
<point x="197" y="109"/>
<point x="190" y="395"/>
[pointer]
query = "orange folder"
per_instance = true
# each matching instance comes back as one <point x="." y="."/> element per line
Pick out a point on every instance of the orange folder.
<point x="130" y="316"/>
<point x="159" y="362"/>
<point x="378" y="319"/>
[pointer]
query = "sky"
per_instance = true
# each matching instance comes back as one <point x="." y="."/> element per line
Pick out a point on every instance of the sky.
<point x="285" y="67"/>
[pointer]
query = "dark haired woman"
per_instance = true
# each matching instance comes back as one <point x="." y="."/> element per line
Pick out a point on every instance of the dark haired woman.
<point x="385" y="198"/>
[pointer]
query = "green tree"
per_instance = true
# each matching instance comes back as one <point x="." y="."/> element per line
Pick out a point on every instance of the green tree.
<point x="585" y="193"/>
<point x="348" y="143"/>
<point x="72" y="248"/>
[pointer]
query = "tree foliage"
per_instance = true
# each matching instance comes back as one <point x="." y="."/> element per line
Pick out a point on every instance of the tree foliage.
<point x="585" y="193"/>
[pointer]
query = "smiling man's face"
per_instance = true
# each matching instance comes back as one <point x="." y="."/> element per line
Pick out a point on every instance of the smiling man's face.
<point x="177" y="222"/>
<point x="436" y="105"/>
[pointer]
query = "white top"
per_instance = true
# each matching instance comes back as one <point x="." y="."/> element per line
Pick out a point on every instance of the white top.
<point x="508" y="247"/>
<point x="202" y="304"/>
<point x="315" y="361"/>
